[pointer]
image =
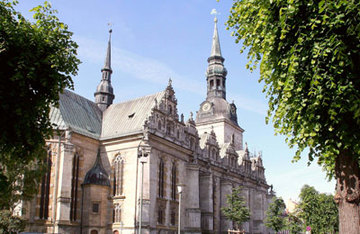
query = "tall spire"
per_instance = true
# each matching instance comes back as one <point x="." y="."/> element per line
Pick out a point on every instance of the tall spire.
<point x="216" y="72"/>
<point x="215" y="49"/>
<point x="104" y="94"/>
<point x="108" y="55"/>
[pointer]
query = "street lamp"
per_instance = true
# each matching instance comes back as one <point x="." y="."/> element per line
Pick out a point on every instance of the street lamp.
<point x="180" y="188"/>
<point x="142" y="155"/>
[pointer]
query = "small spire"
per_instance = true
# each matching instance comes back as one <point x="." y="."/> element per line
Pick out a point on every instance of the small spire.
<point x="104" y="94"/>
<point x="170" y="82"/>
<point x="107" y="65"/>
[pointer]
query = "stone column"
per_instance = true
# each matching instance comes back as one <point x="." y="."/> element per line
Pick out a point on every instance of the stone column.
<point x="63" y="195"/>
<point x="191" y="199"/>
<point x="217" y="204"/>
<point x="226" y="188"/>
<point x="206" y="201"/>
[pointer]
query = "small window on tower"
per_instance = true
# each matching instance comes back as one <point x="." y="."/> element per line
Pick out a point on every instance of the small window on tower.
<point x="95" y="207"/>
<point x="211" y="84"/>
<point x="217" y="83"/>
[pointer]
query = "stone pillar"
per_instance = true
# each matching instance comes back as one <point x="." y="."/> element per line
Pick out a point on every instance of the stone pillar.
<point x="246" y="194"/>
<point x="206" y="201"/>
<point x="217" y="204"/>
<point x="226" y="188"/>
<point x="191" y="200"/>
<point x="63" y="195"/>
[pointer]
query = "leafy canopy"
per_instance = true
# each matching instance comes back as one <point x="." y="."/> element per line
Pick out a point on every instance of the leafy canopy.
<point x="318" y="210"/>
<point x="236" y="209"/>
<point x="275" y="215"/>
<point x="37" y="60"/>
<point x="309" y="55"/>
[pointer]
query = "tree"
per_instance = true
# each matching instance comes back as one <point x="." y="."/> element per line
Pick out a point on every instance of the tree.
<point x="236" y="209"/>
<point x="309" y="55"/>
<point x="275" y="215"/>
<point x="293" y="224"/>
<point x="37" y="60"/>
<point x="317" y="210"/>
<point x="10" y="223"/>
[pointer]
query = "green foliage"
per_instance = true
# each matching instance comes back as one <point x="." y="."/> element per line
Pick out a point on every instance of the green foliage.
<point x="275" y="215"/>
<point x="309" y="55"/>
<point x="10" y="223"/>
<point x="318" y="210"/>
<point x="37" y="61"/>
<point x="294" y="224"/>
<point x="236" y="209"/>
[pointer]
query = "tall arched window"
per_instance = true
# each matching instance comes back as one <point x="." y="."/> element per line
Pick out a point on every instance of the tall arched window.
<point x="117" y="213"/>
<point x="161" y="178"/>
<point x="45" y="189"/>
<point x="118" y="176"/>
<point x="74" y="188"/>
<point x="173" y="181"/>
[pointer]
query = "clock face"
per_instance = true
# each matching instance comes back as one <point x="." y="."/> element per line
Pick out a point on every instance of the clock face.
<point x="206" y="107"/>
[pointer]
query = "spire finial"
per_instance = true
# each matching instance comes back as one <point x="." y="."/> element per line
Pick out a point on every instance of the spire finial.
<point x="170" y="82"/>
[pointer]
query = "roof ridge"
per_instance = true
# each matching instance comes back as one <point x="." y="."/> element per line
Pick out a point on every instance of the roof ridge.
<point x="142" y="97"/>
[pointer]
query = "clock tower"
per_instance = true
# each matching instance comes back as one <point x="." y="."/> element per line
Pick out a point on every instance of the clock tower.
<point x="215" y="112"/>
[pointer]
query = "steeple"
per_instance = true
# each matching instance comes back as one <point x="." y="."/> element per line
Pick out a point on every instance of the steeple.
<point x="215" y="49"/>
<point x="216" y="72"/>
<point x="104" y="94"/>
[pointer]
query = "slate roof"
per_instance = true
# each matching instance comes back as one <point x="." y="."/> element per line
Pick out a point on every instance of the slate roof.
<point x="129" y="116"/>
<point x="84" y="117"/>
<point x="77" y="113"/>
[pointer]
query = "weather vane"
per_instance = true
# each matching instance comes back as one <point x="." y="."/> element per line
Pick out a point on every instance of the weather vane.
<point x="110" y="26"/>
<point x="215" y="13"/>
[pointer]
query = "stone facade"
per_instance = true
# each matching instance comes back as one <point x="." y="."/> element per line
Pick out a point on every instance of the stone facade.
<point x="106" y="157"/>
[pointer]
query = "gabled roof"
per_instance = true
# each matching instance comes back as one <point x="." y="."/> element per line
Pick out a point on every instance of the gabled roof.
<point x="128" y="117"/>
<point x="84" y="117"/>
<point x="77" y="113"/>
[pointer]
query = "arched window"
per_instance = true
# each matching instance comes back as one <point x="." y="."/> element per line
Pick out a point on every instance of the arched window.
<point x="94" y="232"/>
<point x="217" y="83"/>
<point x="173" y="181"/>
<point x="117" y="213"/>
<point x="159" y="125"/>
<point x="45" y="189"/>
<point x="118" y="175"/>
<point x="170" y="109"/>
<point x="161" y="178"/>
<point x="211" y="84"/>
<point x="74" y="187"/>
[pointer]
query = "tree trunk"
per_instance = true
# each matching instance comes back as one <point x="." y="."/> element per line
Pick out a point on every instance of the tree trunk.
<point x="347" y="196"/>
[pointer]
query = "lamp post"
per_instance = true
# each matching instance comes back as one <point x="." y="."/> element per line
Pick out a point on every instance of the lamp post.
<point x="180" y="188"/>
<point x="142" y="159"/>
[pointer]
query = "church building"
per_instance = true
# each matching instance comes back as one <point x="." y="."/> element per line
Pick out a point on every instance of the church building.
<point x="116" y="167"/>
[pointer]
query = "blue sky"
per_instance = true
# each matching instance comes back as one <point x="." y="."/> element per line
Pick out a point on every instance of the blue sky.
<point x="155" y="40"/>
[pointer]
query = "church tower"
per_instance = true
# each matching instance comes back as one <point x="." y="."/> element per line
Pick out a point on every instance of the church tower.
<point x="215" y="112"/>
<point x="216" y="72"/>
<point x="104" y="94"/>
